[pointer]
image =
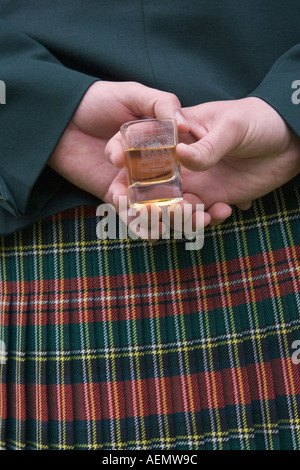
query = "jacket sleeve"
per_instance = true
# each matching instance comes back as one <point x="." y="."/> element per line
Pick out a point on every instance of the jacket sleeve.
<point x="281" y="87"/>
<point x="39" y="97"/>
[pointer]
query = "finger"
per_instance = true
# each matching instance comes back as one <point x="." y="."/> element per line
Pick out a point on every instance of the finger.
<point x="244" y="206"/>
<point x="114" y="151"/>
<point x="218" y="142"/>
<point x="193" y="204"/>
<point x="144" y="222"/>
<point x="187" y="215"/>
<point x="219" y="212"/>
<point x="155" y="103"/>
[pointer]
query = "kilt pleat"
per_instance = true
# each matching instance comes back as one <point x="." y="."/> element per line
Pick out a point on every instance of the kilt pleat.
<point x="121" y="344"/>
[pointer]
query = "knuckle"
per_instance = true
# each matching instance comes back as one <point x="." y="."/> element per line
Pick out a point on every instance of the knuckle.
<point x="232" y="121"/>
<point x="174" y="98"/>
<point x="169" y="97"/>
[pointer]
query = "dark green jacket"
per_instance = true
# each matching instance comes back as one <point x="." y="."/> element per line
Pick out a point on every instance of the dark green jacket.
<point x="52" y="51"/>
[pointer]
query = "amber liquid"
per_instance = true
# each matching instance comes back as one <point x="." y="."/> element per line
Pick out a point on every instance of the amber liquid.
<point x="153" y="175"/>
<point x="151" y="164"/>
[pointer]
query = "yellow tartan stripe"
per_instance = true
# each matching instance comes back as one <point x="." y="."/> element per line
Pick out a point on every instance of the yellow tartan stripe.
<point x="281" y="313"/>
<point x="19" y="337"/>
<point x="237" y="367"/>
<point x="86" y="323"/>
<point x="110" y="332"/>
<point x="183" y="336"/>
<point x="137" y="369"/>
<point x="255" y="318"/>
<point x="157" y="324"/>
<point x="39" y="327"/>
<point x="209" y="347"/>
<point x="60" y="328"/>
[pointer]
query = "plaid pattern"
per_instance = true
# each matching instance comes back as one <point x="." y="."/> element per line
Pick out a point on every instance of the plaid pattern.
<point x="124" y="345"/>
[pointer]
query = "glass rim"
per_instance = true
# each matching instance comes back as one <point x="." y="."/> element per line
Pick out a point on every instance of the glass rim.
<point x="137" y="121"/>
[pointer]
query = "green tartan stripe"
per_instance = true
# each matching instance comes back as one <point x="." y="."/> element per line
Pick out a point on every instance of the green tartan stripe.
<point x="260" y="437"/>
<point x="144" y="345"/>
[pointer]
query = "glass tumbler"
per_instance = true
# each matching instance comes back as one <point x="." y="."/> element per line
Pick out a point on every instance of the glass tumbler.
<point x="153" y="168"/>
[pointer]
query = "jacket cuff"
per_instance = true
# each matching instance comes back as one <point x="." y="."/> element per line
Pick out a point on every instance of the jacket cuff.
<point x="281" y="88"/>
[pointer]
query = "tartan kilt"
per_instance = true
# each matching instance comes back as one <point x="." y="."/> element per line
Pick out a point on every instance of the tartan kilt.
<point x="121" y="344"/>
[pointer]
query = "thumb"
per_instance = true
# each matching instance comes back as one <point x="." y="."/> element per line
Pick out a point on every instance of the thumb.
<point x="204" y="154"/>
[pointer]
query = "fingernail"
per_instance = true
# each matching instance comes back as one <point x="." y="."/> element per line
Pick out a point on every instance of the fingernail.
<point x="181" y="119"/>
<point x="112" y="159"/>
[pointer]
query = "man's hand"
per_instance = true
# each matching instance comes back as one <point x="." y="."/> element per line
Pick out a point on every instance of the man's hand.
<point x="237" y="151"/>
<point x="79" y="156"/>
<point x="234" y="152"/>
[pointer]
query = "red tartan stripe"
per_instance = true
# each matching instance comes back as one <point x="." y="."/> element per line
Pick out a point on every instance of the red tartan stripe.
<point x="43" y="298"/>
<point x="88" y="212"/>
<point x="3" y="401"/>
<point x="155" y="396"/>
<point x="284" y="370"/>
<point x="16" y="402"/>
